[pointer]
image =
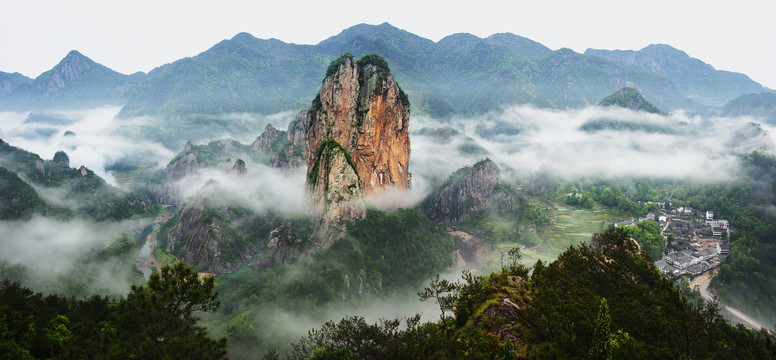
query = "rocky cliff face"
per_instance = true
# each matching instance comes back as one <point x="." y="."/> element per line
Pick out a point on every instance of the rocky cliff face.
<point x="284" y="244"/>
<point x="335" y="185"/>
<point x="468" y="190"/>
<point x="361" y="107"/>
<point x="210" y="241"/>
<point x="266" y="142"/>
<point x="292" y="155"/>
<point x="218" y="154"/>
<point x="9" y="82"/>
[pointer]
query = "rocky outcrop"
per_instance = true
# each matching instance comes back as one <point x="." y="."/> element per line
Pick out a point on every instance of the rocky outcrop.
<point x="335" y="185"/>
<point x="361" y="107"/>
<point x="62" y="159"/>
<point x="284" y="244"/>
<point x="266" y="142"/>
<point x="292" y="154"/>
<point x="209" y="240"/>
<point x="604" y="243"/>
<point x="184" y="164"/>
<point x="468" y="190"/>
<point x="630" y="98"/>
<point x="239" y="167"/>
<point x="215" y="155"/>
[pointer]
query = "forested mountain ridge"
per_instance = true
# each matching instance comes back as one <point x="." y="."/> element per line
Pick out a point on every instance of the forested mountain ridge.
<point x="9" y="82"/>
<point x="76" y="82"/>
<point x="695" y="79"/>
<point x="605" y="300"/>
<point x="459" y="75"/>
<point x="93" y="197"/>
<point x="760" y="106"/>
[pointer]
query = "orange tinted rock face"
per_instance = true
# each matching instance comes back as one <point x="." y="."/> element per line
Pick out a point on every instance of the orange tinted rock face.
<point x="364" y="110"/>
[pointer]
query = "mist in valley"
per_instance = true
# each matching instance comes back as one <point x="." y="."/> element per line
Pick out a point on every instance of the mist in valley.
<point x="522" y="140"/>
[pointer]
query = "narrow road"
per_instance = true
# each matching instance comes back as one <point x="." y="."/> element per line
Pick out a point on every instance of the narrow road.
<point x="663" y="230"/>
<point x="702" y="282"/>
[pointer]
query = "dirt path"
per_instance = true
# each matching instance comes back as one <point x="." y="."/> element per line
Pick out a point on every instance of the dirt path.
<point x="703" y="285"/>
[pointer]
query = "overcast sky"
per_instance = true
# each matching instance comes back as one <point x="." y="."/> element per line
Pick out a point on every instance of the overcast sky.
<point x="139" y="35"/>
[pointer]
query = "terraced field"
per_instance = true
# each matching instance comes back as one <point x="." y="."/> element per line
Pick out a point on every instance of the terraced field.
<point x="572" y="227"/>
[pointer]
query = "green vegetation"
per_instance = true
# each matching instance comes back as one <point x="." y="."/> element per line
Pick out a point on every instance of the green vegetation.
<point x="509" y="218"/>
<point x="336" y="63"/>
<point x="326" y="150"/>
<point x="647" y="233"/>
<point x="630" y="98"/>
<point x="117" y="257"/>
<point x="376" y="60"/>
<point x="383" y="255"/>
<point x="154" y="321"/>
<point x="743" y="277"/>
<point x="96" y="199"/>
<point x="586" y="304"/>
<point x="17" y="199"/>
<point x="595" y="125"/>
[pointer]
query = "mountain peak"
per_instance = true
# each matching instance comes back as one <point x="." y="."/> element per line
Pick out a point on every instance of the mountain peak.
<point x="459" y="41"/>
<point x="73" y="53"/>
<point x="243" y="36"/>
<point x="72" y="66"/>
<point x="630" y="98"/>
<point x="523" y="46"/>
<point x="356" y="137"/>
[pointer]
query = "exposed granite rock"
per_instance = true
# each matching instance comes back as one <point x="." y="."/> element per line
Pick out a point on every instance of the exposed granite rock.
<point x="468" y="190"/>
<point x="193" y="158"/>
<point x="292" y="154"/>
<point x="363" y="109"/>
<point x="265" y="143"/>
<point x="285" y="243"/>
<point x="239" y="167"/>
<point x="210" y="241"/>
<point x="41" y="166"/>
<point x="603" y="244"/>
<point x="62" y="159"/>
<point x="334" y="186"/>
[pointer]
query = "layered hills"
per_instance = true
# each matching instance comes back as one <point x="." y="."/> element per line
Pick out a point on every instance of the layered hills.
<point x="459" y="75"/>
<point x="761" y="106"/>
<point x="76" y="82"/>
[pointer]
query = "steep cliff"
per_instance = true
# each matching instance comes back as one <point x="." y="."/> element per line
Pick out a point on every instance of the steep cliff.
<point x="361" y="107"/>
<point x="209" y="238"/>
<point x="335" y="186"/>
<point x="467" y="191"/>
<point x="292" y="154"/>
<point x="286" y="243"/>
<point x="218" y="154"/>
<point x="268" y="142"/>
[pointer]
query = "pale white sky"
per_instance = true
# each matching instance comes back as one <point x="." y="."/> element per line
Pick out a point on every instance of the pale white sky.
<point x="139" y="35"/>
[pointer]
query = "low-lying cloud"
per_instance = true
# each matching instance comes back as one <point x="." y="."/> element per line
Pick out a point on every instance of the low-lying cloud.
<point x="261" y="189"/>
<point x="97" y="138"/>
<point x="595" y="141"/>
<point x="55" y="247"/>
<point x="87" y="136"/>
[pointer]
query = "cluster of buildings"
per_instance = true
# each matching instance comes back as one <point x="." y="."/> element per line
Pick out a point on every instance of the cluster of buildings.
<point x="697" y="242"/>
<point x="687" y="262"/>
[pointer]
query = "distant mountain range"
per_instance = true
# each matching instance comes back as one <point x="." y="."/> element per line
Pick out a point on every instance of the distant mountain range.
<point x="761" y="106"/>
<point x="75" y="82"/>
<point x="459" y="75"/>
